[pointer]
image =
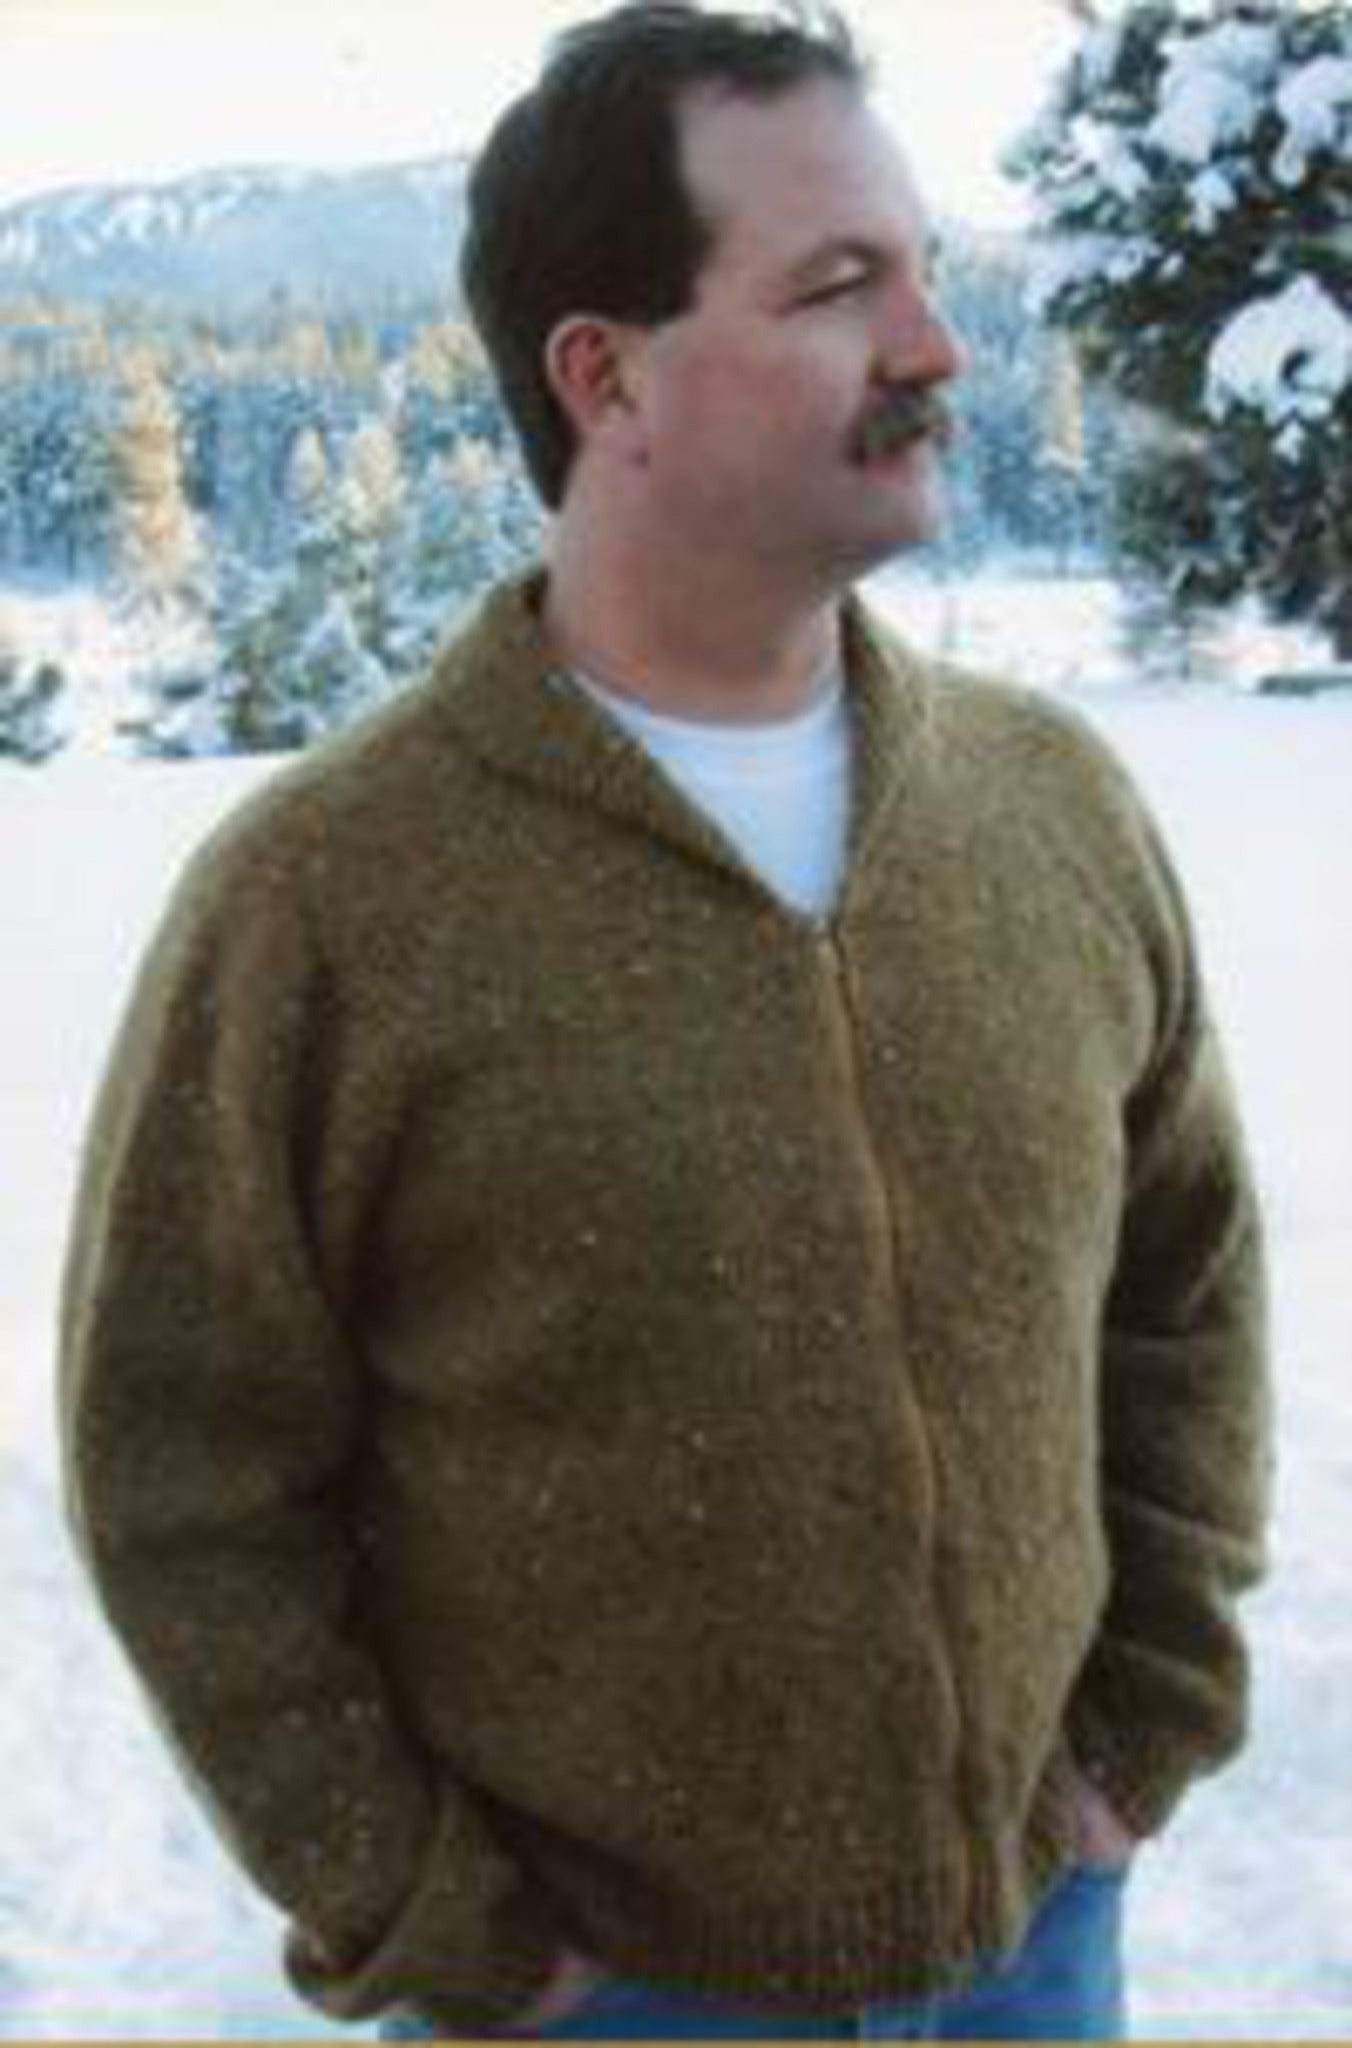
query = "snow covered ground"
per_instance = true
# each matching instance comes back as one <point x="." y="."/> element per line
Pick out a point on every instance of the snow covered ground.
<point x="118" y="1914"/>
<point x="97" y="645"/>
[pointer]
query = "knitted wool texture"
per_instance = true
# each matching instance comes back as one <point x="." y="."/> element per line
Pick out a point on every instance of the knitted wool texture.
<point x="608" y="1412"/>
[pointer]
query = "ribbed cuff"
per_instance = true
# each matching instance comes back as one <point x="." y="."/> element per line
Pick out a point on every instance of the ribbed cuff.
<point x="471" y="1946"/>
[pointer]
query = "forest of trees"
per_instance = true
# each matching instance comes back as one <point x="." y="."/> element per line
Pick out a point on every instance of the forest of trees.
<point x="319" y="496"/>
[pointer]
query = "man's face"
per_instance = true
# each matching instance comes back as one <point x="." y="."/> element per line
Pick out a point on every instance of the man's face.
<point x="760" y="404"/>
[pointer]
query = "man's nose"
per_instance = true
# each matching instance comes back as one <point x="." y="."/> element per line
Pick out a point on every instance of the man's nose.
<point x="921" y="347"/>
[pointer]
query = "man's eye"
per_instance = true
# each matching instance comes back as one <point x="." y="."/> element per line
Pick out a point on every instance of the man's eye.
<point x="839" y="288"/>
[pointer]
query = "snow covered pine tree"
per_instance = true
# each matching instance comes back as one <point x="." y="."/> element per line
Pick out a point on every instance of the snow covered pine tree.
<point x="1192" y="175"/>
<point x="29" y="730"/>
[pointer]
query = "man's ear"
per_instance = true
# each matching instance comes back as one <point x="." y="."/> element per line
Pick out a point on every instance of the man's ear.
<point x="586" y="364"/>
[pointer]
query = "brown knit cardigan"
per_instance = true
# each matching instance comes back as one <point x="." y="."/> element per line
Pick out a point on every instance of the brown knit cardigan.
<point x="606" y="1411"/>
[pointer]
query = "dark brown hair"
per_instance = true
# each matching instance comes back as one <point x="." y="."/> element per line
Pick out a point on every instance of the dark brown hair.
<point x="577" y="203"/>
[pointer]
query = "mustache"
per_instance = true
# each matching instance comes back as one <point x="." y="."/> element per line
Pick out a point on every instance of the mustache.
<point x="905" y="413"/>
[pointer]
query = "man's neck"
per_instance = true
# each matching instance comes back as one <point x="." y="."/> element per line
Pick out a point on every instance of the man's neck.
<point x="709" y="645"/>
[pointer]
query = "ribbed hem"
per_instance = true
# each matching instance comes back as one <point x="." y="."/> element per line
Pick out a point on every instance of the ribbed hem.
<point x="806" y="1954"/>
<point x="929" y="1931"/>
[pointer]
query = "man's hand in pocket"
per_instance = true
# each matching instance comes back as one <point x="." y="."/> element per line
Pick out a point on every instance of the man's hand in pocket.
<point x="574" y="1980"/>
<point x="1103" y="1838"/>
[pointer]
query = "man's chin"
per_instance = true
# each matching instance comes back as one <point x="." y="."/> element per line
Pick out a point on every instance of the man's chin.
<point x="871" y="528"/>
<point x="863" y="555"/>
<point x="916" y="521"/>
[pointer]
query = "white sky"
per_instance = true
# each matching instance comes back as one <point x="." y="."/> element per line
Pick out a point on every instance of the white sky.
<point x="95" y="91"/>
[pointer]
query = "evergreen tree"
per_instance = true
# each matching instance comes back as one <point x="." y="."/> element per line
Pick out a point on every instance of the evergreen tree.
<point x="372" y="486"/>
<point x="28" y="699"/>
<point x="13" y="474"/>
<point x="298" y="646"/>
<point x="307" y="477"/>
<point x="162" y="559"/>
<point x="470" y="519"/>
<point x="288" y="666"/>
<point x="1010" y="481"/>
<point x="370" y="503"/>
<point x="56" y="488"/>
<point x="449" y="393"/>
<point x="1193" y="176"/>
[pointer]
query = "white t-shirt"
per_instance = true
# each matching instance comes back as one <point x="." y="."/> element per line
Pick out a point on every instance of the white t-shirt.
<point x="779" y="791"/>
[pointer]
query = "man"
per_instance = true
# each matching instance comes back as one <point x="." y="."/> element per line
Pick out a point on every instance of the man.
<point x="663" y="1355"/>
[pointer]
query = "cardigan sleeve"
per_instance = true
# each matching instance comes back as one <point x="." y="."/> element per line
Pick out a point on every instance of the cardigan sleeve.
<point x="212" y="1411"/>
<point x="1185" y="1429"/>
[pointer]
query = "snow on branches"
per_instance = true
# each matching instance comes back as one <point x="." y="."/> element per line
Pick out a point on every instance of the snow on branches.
<point x="1288" y="357"/>
<point x="1191" y="166"/>
<point x="1191" y="176"/>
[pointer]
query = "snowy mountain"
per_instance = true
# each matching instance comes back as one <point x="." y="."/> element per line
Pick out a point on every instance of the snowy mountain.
<point x="222" y="241"/>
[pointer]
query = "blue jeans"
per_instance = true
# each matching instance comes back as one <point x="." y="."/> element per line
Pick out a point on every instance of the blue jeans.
<point x="1064" y="1983"/>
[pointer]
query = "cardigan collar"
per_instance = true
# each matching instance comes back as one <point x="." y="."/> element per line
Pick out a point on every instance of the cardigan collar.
<point x="502" y="688"/>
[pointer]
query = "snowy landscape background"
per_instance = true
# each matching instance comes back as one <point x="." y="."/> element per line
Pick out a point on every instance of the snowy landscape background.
<point x="119" y="1914"/>
<point x="237" y="497"/>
